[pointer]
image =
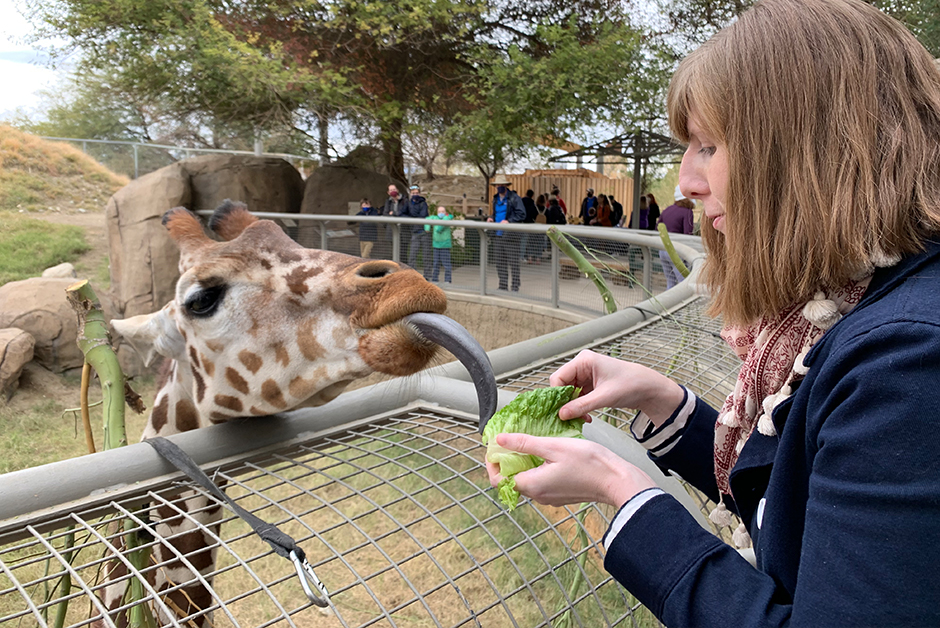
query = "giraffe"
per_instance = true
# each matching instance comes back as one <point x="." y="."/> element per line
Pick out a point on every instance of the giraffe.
<point x="259" y="325"/>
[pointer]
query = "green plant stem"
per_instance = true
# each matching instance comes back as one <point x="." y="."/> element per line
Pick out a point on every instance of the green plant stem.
<point x="95" y="343"/>
<point x="65" y="583"/>
<point x="586" y="267"/>
<point x="671" y="249"/>
<point x="578" y="579"/>
<point x="138" y="616"/>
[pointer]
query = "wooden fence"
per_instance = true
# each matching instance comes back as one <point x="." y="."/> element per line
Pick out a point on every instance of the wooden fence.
<point x="573" y="187"/>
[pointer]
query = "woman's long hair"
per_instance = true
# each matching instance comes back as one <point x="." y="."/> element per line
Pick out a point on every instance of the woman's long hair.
<point x="830" y="112"/>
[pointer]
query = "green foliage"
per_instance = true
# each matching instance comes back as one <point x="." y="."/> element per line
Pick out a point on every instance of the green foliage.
<point x="28" y="246"/>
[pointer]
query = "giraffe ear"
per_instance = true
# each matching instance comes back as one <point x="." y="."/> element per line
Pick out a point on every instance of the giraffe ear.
<point x="231" y="218"/>
<point x="151" y="334"/>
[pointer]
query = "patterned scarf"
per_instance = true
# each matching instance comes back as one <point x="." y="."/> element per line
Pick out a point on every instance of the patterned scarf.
<point x="772" y="350"/>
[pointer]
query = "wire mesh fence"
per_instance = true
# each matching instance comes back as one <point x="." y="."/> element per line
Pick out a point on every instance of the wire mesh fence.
<point x="396" y="517"/>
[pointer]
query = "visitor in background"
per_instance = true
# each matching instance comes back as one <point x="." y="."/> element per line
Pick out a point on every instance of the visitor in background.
<point x="644" y="213"/>
<point x="368" y="231"/>
<point x="554" y="214"/>
<point x="616" y="214"/>
<point x="441" y="243"/>
<point x="678" y="218"/>
<point x="653" y="217"/>
<point x="507" y="208"/>
<point x="561" y="203"/>
<point x="538" y="241"/>
<point x="588" y="208"/>
<point x="602" y="212"/>
<point x="417" y="207"/>
<point x="531" y="212"/>
<point x="391" y="207"/>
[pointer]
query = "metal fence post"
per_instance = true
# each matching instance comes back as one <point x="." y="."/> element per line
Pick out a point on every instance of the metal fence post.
<point x="136" y="169"/>
<point x="324" y="244"/>
<point x="396" y="242"/>
<point x="484" y="253"/>
<point x="556" y="270"/>
<point x="647" y="269"/>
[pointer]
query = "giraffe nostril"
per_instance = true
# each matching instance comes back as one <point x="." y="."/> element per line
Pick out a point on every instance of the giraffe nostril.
<point x="376" y="269"/>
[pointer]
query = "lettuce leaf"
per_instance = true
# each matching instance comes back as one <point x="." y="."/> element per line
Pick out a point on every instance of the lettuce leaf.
<point x="533" y="412"/>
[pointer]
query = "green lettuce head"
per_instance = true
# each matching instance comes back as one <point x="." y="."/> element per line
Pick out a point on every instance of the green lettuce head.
<point x="534" y="412"/>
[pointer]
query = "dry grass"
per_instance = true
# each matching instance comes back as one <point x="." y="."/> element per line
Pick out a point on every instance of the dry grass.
<point x="38" y="175"/>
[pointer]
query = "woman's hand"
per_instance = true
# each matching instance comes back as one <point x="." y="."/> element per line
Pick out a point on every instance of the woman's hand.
<point x="575" y="471"/>
<point x="606" y="382"/>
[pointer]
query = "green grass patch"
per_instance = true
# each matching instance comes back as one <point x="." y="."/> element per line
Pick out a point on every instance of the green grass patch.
<point x="28" y="246"/>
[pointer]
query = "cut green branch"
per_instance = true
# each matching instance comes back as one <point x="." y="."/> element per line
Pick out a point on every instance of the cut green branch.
<point x="95" y="343"/>
<point x="585" y="266"/>
<point x="671" y="249"/>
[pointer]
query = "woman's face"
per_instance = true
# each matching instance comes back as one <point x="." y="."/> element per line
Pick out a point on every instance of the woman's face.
<point x="703" y="175"/>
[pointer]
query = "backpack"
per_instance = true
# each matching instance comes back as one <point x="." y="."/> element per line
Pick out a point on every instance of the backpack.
<point x="541" y="219"/>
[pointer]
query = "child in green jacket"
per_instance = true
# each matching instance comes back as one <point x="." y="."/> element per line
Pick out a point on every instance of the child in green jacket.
<point x="441" y="243"/>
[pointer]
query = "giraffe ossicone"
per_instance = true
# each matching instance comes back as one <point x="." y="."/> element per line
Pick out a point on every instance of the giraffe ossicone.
<point x="260" y="325"/>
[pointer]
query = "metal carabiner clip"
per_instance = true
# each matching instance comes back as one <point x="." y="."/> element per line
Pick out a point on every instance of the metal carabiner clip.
<point x="307" y="576"/>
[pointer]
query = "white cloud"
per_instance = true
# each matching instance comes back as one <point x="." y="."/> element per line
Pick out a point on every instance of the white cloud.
<point x="22" y="69"/>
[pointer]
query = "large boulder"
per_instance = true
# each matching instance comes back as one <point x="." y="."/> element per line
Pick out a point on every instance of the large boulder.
<point x="144" y="260"/>
<point x="330" y="190"/>
<point x="38" y="306"/>
<point x="16" y="350"/>
<point x="265" y="184"/>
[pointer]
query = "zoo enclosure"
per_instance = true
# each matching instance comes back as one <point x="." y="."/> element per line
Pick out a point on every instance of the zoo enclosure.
<point x="385" y="490"/>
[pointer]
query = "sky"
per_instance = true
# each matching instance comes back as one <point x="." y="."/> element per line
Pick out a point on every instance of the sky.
<point x="23" y="72"/>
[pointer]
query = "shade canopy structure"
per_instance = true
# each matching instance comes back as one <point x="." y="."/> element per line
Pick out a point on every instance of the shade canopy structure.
<point x="637" y="147"/>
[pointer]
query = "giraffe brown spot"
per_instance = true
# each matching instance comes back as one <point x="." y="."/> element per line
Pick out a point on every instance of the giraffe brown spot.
<point x="236" y="380"/>
<point x="297" y="278"/>
<point x="287" y="256"/>
<point x="252" y="361"/>
<point x="265" y="264"/>
<point x="255" y="327"/>
<point x="186" y="416"/>
<point x="193" y="357"/>
<point x="215" y="347"/>
<point x="257" y="411"/>
<point x="200" y="385"/>
<point x="301" y="388"/>
<point x="183" y="334"/>
<point x="217" y="417"/>
<point x="158" y="416"/>
<point x="271" y="393"/>
<point x="232" y="403"/>
<point x="280" y="354"/>
<point x="208" y="365"/>
<point x="310" y="347"/>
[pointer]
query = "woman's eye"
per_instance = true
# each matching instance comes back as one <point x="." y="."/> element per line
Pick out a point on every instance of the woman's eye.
<point x="707" y="150"/>
<point x="205" y="302"/>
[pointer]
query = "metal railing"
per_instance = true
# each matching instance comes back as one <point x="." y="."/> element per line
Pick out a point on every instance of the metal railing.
<point x="136" y="158"/>
<point x="628" y="259"/>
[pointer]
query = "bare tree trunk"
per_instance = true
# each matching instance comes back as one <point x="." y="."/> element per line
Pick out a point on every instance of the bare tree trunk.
<point x="323" y="144"/>
<point x="391" y="145"/>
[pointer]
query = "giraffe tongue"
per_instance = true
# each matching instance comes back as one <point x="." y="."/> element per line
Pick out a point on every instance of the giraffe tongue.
<point x="455" y="338"/>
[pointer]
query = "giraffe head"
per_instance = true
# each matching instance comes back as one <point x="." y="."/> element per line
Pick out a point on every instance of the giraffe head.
<point x="264" y="325"/>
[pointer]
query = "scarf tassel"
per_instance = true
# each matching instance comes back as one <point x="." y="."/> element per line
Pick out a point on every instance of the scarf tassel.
<point x="821" y="312"/>
<point x="720" y="515"/>
<point x="741" y="538"/>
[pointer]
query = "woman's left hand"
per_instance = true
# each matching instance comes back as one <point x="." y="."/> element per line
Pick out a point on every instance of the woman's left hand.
<point x="575" y="471"/>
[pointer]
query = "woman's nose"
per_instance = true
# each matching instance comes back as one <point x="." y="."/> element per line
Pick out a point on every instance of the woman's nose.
<point x="692" y="181"/>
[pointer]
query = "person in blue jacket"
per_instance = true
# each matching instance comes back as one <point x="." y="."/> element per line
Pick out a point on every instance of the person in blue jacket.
<point x="368" y="231"/>
<point x="813" y="132"/>
<point x="507" y="208"/>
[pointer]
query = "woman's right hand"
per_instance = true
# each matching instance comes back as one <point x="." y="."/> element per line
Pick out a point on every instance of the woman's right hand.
<point x="607" y="382"/>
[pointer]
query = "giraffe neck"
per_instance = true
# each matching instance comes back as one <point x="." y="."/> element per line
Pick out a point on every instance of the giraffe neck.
<point x="174" y="410"/>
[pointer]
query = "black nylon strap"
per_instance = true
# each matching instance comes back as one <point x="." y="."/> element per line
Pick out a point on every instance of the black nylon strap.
<point x="281" y="543"/>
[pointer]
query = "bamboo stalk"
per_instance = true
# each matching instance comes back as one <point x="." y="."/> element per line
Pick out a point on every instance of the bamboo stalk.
<point x="586" y="267"/>
<point x="667" y="242"/>
<point x="95" y="342"/>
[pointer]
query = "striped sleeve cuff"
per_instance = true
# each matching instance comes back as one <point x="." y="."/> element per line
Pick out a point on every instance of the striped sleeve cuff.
<point x="627" y="511"/>
<point x="659" y="440"/>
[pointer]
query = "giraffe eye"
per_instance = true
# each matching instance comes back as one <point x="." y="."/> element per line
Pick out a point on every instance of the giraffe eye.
<point x="205" y="301"/>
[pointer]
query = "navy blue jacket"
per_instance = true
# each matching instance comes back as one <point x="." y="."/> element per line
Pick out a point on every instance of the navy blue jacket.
<point x="369" y="231"/>
<point x="850" y="529"/>
<point x="415" y="207"/>
<point x="515" y="210"/>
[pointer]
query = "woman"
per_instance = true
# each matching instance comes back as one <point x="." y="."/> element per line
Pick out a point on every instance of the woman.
<point x="644" y="213"/>
<point x="821" y="222"/>
<point x="601" y="217"/>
